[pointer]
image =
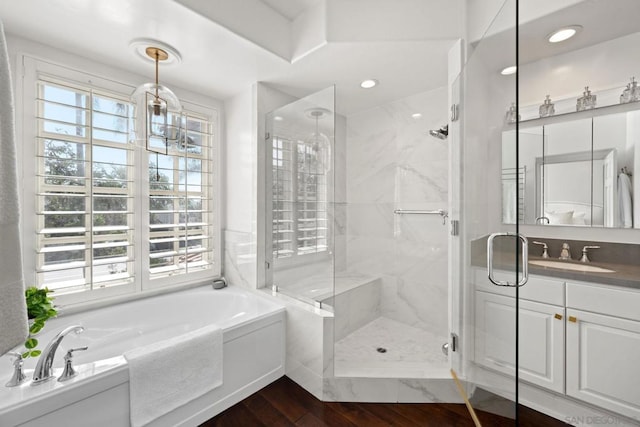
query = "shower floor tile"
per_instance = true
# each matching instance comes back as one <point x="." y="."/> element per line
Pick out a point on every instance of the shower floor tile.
<point x="410" y="352"/>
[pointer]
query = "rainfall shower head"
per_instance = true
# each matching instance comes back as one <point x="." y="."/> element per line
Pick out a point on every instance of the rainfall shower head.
<point x="441" y="133"/>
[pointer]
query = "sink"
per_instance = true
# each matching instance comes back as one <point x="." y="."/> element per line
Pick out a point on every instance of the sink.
<point x="570" y="266"/>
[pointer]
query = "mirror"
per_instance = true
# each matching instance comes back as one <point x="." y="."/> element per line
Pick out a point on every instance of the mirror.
<point x="570" y="171"/>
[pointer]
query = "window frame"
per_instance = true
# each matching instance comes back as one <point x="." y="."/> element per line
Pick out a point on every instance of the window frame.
<point x="30" y="69"/>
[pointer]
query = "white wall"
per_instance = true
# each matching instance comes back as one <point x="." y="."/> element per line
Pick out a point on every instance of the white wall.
<point x="244" y="162"/>
<point x="603" y="66"/>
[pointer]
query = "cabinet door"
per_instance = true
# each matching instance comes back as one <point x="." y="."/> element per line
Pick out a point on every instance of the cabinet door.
<point x="541" y="340"/>
<point x="603" y="353"/>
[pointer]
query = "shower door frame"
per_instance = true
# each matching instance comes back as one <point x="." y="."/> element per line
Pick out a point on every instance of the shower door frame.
<point x="463" y="258"/>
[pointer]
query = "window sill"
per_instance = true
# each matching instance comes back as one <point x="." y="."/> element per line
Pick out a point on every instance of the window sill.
<point x="78" y="307"/>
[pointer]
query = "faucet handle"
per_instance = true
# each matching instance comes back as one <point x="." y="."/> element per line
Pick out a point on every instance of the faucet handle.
<point x="585" y="249"/>
<point x="18" y="376"/>
<point x="69" y="372"/>
<point x="545" y="254"/>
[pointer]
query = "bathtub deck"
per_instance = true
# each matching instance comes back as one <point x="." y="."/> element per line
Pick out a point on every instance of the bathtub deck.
<point x="284" y="403"/>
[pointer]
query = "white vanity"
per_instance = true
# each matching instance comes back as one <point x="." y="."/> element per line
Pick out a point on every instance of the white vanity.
<point x="578" y="339"/>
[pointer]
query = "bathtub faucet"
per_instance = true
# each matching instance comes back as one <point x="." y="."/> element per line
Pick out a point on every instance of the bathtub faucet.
<point x="45" y="362"/>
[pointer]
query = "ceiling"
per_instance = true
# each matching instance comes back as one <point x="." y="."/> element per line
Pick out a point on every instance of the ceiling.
<point x="297" y="46"/>
<point x="599" y="20"/>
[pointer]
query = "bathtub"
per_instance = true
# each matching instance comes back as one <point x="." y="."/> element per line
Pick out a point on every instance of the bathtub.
<point x="254" y="348"/>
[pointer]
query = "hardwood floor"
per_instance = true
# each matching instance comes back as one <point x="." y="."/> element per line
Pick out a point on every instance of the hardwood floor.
<point x="284" y="403"/>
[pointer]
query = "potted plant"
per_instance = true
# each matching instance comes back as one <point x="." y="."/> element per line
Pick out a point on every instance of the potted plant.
<point x="40" y="308"/>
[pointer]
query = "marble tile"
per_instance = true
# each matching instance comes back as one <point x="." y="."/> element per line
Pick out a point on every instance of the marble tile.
<point x="410" y="352"/>
<point x="393" y="163"/>
<point x="305" y="339"/>
<point x="240" y="258"/>
<point x="428" y="391"/>
<point x="360" y="390"/>
<point x="356" y="307"/>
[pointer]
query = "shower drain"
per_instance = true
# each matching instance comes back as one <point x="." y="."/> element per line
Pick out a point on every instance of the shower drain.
<point x="381" y="350"/>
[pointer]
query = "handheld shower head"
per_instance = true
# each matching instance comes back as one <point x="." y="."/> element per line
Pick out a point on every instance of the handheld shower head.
<point x="441" y="133"/>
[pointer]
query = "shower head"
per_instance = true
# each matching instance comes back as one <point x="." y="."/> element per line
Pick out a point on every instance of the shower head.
<point x="441" y="133"/>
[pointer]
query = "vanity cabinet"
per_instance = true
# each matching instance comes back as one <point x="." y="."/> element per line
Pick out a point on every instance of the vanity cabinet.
<point x="603" y="347"/>
<point x="541" y="340"/>
<point x="579" y="339"/>
<point x="542" y="332"/>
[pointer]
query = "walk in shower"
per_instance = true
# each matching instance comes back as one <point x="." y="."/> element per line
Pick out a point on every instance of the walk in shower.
<point x="359" y="226"/>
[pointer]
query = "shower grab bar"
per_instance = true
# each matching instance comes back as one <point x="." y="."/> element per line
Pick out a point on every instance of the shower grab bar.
<point x="525" y="259"/>
<point x="444" y="214"/>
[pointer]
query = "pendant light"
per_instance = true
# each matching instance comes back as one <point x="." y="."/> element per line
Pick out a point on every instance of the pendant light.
<point x="319" y="143"/>
<point x="158" y="108"/>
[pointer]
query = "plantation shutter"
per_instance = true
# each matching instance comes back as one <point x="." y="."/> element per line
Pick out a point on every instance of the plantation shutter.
<point x="299" y="189"/>
<point x="85" y="168"/>
<point x="181" y="211"/>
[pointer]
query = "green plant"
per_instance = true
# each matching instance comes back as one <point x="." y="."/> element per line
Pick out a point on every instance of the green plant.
<point x="40" y="308"/>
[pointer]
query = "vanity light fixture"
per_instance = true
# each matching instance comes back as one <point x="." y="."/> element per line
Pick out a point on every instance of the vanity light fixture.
<point x="509" y="70"/>
<point x="368" y="84"/>
<point x="416" y="116"/>
<point x="564" y="33"/>
<point x="162" y="110"/>
<point x="278" y="118"/>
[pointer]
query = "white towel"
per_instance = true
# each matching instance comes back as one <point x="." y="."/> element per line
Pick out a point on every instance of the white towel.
<point x="625" y="203"/>
<point x="509" y="202"/>
<point x="13" y="309"/>
<point x="168" y="374"/>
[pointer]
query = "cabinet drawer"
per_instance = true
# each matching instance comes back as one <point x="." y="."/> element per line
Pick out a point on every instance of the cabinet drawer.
<point x="536" y="289"/>
<point x="604" y="299"/>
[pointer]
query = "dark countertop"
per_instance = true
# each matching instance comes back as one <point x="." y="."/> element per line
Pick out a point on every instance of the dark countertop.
<point x="625" y="274"/>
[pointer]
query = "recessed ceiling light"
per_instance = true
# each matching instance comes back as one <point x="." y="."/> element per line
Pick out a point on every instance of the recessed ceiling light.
<point x="278" y="118"/>
<point x="416" y="115"/>
<point x="368" y="84"/>
<point x="509" y="70"/>
<point x="564" y="33"/>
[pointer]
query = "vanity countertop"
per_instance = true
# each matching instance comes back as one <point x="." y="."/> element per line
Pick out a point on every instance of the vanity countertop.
<point x="623" y="274"/>
<point x="623" y="259"/>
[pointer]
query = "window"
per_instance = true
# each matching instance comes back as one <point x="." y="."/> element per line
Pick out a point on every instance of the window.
<point x="180" y="205"/>
<point x="85" y="230"/>
<point x="98" y="195"/>
<point x="300" y="222"/>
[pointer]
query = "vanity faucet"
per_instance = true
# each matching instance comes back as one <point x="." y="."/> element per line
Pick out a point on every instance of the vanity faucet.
<point x="545" y="254"/>
<point x="585" y="258"/>
<point x="42" y="372"/>
<point x="565" y="253"/>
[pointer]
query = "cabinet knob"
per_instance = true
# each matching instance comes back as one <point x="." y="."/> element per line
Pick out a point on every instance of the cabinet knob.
<point x="573" y="319"/>
<point x="558" y="316"/>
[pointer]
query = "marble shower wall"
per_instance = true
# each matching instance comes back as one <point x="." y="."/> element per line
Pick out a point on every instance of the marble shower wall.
<point x="392" y="163"/>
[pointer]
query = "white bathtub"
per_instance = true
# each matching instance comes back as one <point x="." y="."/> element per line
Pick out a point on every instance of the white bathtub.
<point x="254" y="348"/>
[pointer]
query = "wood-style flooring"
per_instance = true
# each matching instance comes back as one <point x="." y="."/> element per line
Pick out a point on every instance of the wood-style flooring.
<point x="284" y="403"/>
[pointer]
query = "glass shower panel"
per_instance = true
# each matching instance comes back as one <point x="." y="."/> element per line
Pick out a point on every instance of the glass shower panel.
<point x="299" y="197"/>
<point x="489" y="249"/>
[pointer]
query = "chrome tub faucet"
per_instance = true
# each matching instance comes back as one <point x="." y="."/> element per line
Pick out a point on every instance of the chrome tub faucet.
<point x="42" y="372"/>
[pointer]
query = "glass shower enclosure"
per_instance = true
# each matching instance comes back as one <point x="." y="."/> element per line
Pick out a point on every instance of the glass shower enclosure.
<point x="300" y="148"/>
